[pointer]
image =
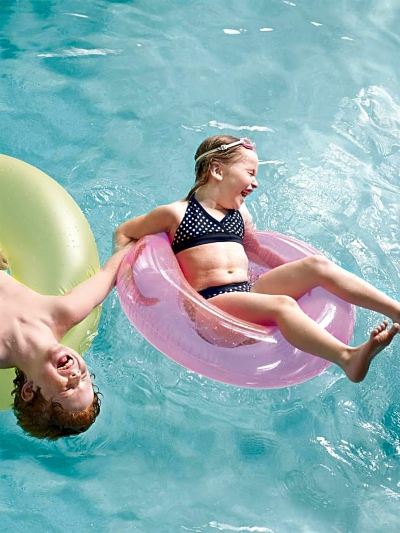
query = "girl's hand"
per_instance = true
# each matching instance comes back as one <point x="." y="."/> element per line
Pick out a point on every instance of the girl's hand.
<point x="256" y="251"/>
<point x="121" y="241"/>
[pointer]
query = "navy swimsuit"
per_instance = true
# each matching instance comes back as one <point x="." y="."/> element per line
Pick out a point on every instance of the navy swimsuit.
<point x="199" y="227"/>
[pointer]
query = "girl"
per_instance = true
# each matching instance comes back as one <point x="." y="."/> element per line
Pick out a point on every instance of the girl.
<point x="211" y="231"/>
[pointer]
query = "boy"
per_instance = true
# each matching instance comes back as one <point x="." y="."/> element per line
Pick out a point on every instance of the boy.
<point x="53" y="394"/>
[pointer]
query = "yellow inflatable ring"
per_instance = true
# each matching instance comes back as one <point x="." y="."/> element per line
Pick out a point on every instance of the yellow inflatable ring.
<point x="47" y="243"/>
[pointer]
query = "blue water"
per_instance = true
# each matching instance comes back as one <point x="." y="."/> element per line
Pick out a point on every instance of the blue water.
<point x="111" y="98"/>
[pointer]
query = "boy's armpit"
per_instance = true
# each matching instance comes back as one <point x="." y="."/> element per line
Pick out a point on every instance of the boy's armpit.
<point x="63" y="312"/>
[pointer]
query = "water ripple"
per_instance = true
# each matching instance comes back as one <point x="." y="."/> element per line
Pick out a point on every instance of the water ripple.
<point x="77" y="52"/>
<point x="78" y="15"/>
<point x="250" y="529"/>
<point x="226" y="126"/>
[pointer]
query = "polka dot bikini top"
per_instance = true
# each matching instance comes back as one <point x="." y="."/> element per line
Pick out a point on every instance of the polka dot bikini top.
<point x="199" y="227"/>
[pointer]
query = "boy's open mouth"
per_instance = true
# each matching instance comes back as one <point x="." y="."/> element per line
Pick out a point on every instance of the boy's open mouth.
<point x="65" y="362"/>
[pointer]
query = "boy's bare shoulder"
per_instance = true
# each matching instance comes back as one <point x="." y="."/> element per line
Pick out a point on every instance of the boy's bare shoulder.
<point x="9" y="284"/>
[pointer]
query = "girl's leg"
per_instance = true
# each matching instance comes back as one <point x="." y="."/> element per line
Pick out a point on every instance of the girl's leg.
<point x="302" y="332"/>
<point x="298" y="277"/>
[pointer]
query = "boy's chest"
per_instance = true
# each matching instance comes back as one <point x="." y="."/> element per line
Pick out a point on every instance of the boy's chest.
<point x="21" y="310"/>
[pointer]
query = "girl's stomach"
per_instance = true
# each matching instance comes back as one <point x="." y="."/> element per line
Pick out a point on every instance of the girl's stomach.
<point x="217" y="263"/>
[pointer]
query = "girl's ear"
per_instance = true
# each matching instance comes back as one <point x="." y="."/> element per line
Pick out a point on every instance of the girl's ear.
<point x="216" y="170"/>
<point x="28" y="391"/>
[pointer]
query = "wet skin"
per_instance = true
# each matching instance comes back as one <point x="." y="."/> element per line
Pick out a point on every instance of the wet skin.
<point x="32" y="325"/>
<point x="273" y="297"/>
<point x="30" y="329"/>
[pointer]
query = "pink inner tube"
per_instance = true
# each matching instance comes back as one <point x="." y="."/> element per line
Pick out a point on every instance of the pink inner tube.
<point x="172" y="316"/>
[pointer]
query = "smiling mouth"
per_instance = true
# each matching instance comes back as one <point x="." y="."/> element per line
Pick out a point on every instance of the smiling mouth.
<point x="245" y="193"/>
<point x="65" y="362"/>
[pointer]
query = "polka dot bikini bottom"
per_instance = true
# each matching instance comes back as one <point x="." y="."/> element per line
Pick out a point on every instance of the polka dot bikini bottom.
<point x="210" y="292"/>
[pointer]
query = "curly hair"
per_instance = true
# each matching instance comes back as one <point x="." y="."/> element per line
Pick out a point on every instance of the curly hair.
<point x="203" y="166"/>
<point x="48" y="420"/>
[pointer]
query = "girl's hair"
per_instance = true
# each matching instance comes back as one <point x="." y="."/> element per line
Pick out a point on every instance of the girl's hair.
<point x="202" y="168"/>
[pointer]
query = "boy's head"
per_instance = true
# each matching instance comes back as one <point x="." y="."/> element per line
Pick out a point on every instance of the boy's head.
<point x="54" y="397"/>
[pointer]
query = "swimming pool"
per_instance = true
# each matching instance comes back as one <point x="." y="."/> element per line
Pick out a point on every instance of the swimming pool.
<point x="111" y="98"/>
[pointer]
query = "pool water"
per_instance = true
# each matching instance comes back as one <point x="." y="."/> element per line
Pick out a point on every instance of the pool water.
<point x="112" y="98"/>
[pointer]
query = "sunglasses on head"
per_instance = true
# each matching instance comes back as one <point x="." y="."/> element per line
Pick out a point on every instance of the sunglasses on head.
<point x="246" y="143"/>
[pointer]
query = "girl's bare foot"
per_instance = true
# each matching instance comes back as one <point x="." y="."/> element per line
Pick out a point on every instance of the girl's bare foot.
<point x="357" y="365"/>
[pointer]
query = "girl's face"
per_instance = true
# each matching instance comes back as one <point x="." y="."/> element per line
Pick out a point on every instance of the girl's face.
<point x="239" y="179"/>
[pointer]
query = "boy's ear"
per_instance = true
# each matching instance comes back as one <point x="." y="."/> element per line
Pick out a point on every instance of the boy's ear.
<point x="28" y="391"/>
<point x="216" y="170"/>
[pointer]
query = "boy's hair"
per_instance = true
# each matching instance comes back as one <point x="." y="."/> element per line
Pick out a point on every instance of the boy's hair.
<point x="202" y="168"/>
<point x="47" y="420"/>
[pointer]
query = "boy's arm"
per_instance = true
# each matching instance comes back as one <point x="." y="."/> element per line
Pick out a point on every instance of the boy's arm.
<point x="83" y="298"/>
<point x="254" y="249"/>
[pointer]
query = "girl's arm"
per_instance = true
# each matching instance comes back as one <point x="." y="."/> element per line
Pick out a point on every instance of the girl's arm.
<point x="253" y="248"/>
<point x="159" y="220"/>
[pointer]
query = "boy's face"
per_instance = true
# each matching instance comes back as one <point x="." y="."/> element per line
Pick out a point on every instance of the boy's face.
<point x="63" y="378"/>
